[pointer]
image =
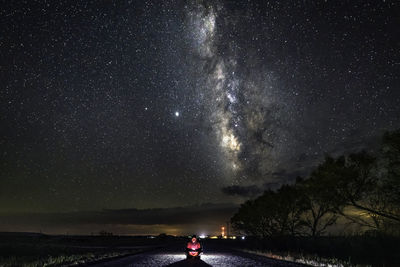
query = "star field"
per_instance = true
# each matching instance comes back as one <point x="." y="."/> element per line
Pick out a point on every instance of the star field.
<point x="141" y="104"/>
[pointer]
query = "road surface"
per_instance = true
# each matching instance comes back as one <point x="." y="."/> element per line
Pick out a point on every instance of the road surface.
<point x="214" y="255"/>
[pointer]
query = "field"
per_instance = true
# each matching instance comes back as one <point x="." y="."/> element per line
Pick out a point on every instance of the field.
<point x="26" y="249"/>
<point x="328" y="250"/>
<point x="29" y="249"/>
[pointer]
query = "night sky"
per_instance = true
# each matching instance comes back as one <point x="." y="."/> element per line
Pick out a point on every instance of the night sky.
<point x="159" y="104"/>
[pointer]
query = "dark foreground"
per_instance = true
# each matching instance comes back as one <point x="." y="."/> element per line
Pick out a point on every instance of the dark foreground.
<point x="214" y="255"/>
<point x="30" y="249"/>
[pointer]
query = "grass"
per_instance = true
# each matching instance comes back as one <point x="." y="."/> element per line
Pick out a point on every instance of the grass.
<point x="308" y="259"/>
<point x="327" y="250"/>
<point x="50" y="256"/>
<point x="42" y="250"/>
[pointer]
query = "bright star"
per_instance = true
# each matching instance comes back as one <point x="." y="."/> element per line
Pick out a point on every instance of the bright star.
<point x="176" y="113"/>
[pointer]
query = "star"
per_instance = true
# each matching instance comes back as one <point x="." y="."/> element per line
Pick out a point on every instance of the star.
<point x="120" y="112"/>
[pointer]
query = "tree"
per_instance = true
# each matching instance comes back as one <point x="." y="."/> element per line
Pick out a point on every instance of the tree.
<point x="357" y="187"/>
<point x="291" y="206"/>
<point x="365" y="184"/>
<point x="272" y="214"/>
<point x="390" y="181"/>
<point x="321" y="201"/>
<point x="251" y="219"/>
<point x="370" y="186"/>
<point x="391" y="164"/>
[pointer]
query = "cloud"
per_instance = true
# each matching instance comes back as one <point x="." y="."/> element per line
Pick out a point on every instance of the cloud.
<point x="175" y="220"/>
<point x="243" y="191"/>
<point x="250" y="190"/>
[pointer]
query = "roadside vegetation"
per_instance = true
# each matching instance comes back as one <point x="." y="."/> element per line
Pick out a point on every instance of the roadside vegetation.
<point x="355" y="199"/>
<point x="24" y="249"/>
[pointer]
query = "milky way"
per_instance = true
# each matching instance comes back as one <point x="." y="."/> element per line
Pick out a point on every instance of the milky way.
<point x="244" y="109"/>
<point x="220" y="86"/>
<point x="141" y="104"/>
